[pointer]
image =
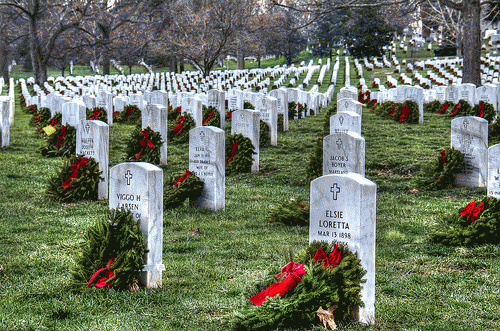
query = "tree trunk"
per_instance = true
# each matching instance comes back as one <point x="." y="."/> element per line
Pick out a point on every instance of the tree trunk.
<point x="4" y="61"/>
<point x="35" y="51"/>
<point x="471" y="11"/>
<point x="181" y="66"/>
<point x="240" y="58"/>
<point x="173" y="64"/>
<point x="258" y="60"/>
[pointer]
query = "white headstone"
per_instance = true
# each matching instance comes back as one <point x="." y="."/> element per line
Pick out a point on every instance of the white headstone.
<point x="343" y="208"/>
<point x="138" y="187"/>
<point x="416" y="94"/>
<point x="343" y="153"/>
<point x="73" y="113"/>
<point x="346" y="121"/>
<point x="494" y="171"/>
<point x="469" y="134"/>
<point x="217" y="100"/>
<point x="268" y="108"/>
<point x="207" y="161"/>
<point x="92" y="141"/>
<point x="348" y="104"/>
<point x="488" y="93"/>
<point x="4" y="121"/>
<point x="282" y="97"/>
<point x="247" y="122"/>
<point x="156" y="117"/>
<point x="193" y="107"/>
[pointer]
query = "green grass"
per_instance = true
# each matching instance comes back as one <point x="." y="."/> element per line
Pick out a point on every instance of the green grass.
<point x="419" y="285"/>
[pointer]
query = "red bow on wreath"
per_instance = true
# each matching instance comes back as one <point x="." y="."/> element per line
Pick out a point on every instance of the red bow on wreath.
<point x="37" y="117"/>
<point x="114" y="115"/>
<point x="471" y="211"/>
<point x="103" y="275"/>
<point x="229" y="114"/>
<point x="457" y="108"/>
<point x="293" y="272"/>
<point x="143" y="142"/>
<point x="331" y="260"/>
<point x="443" y="156"/>
<point x="209" y="117"/>
<point x="234" y="152"/>
<point x="95" y="116"/>
<point x="481" y="109"/>
<point x="130" y="110"/>
<point x="444" y="109"/>
<point x="53" y="122"/>
<point x="74" y="167"/>
<point x="394" y="110"/>
<point x="178" y="110"/>
<point x="60" y="139"/>
<point x="405" y="113"/>
<point x="179" y="180"/>
<point x="178" y="128"/>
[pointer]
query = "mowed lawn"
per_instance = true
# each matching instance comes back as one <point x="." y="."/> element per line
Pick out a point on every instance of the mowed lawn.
<point x="419" y="285"/>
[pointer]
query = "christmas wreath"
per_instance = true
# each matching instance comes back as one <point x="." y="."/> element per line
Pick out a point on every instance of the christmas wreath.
<point x="62" y="142"/>
<point x="290" y="212"/>
<point x="211" y="116"/>
<point x="31" y="109"/>
<point x="386" y="109"/>
<point x="371" y="104"/>
<point x="325" y="279"/>
<point x="462" y="108"/>
<point x="292" y="110"/>
<point x="98" y="113"/>
<point x="76" y="180"/>
<point x="301" y="110"/>
<point x="179" y="128"/>
<point x="179" y="188"/>
<point x="131" y="114"/>
<point x="445" y="107"/>
<point x="42" y="118"/>
<point x="111" y="254"/>
<point x="280" y="123"/>
<point x="432" y="107"/>
<point x="248" y="105"/>
<point x="239" y="151"/>
<point x="314" y="167"/>
<point x="144" y="146"/>
<point x="407" y="112"/>
<point x="494" y="132"/>
<point x="475" y="224"/>
<point x="441" y="172"/>
<point x="174" y="113"/>
<point x="264" y="134"/>
<point x="364" y="96"/>
<point x="484" y="110"/>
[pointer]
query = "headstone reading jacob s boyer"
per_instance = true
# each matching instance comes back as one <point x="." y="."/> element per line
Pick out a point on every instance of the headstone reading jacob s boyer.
<point x="343" y="208"/>
<point x="247" y="122"/>
<point x="138" y="187"/>
<point x="207" y="161"/>
<point x="344" y="152"/>
<point x="92" y="140"/>
<point x="469" y="134"/>
<point x="494" y="171"/>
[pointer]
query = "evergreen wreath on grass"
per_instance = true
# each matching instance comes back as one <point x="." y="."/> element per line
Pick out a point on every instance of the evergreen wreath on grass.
<point x="332" y="109"/>
<point x="371" y="104"/>
<point x="144" y="146"/>
<point x="60" y="143"/>
<point x="31" y="109"/>
<point x="433" y="106"/>
<point x="290" y="212"/>
<point x="264" y="134"/>
<point x="448" y="107"/>
<point x="76" y="180"/>
<point x="211" y="116"/>
<point x="494" y="132"/>
<point x="314" y="167"/>
<point x="476" y="224"/>
<point x="239" y="152"/>
<point x="248" y="105"/>
<point x="462" y="108"/>
<point x="179" y="128"/>
<point x="407" y="112"/>
<point x="325" y="276"/>
<point x="179" y="188"/>
<point x="441" y="172"/>
<point x="292" y="110"/>
<point x="280" y="123"/>
<point x="301" y="109"/>
<point x="119" y="238"/>
<point x="386" y="109"/>
<point x="484" y="110"/>
<point x="42" y="118"/>
<point x="364" y="96"/>
<point x="98" y="113"/>
<point x="131" y="114"/>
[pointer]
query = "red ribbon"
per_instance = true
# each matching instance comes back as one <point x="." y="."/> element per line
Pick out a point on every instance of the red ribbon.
<point x="179" y="180"/>
<point x="471" y="211"/>
<point x="209" y="117"/>
<point x="53" y="121"/>
<point x="95" y="116"/>
<point x="37" y="117"/>
<point x="143" y="142"/>
<point x="394" y="110"/>
<point x="130" y="110"/>
<point x="178" y="128"/>
<point x="60" y="139"/>
<point x="457" y="108"/>
<point x="74" y="167"/>
<point x="405" y="113"/>
<point x="103" y="275"/>
<point x="481" y="109"/>
<point x="293" y="272"/>
<point x="234" y="152"/>
<point x="443" y="156"/>
<point x="302" y="206"/>
<point x="331" y="260"/>
<point x="230" y="114"/>
<point x="444" y="109"/>
<point x="114" y="115"/>
<point x="178" y="110"/>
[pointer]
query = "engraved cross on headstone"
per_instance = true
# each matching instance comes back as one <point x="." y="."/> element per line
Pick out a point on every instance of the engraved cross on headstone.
<point x="128" y="176"/>
<point x="339" y="143"/>
<point x="335" y="189"/>
<point x="341" y="120"/>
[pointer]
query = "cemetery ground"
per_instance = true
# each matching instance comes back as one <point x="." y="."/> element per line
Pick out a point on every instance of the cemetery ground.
<point x="212" y="257"/>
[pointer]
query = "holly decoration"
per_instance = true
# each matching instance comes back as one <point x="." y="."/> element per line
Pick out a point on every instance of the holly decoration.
<point x="98" y="113"/>
<point x="484" y="110"/>
<point x="441" y="172"/>
<point x="477" y="223"/>
<point x="144" y="146"/>
<point x="60" y="143"/>
<point x="76" y="180"/>
<point x="118" y="237"/>
<point x="290" y="212"/>
<point x="179" y="128"/>
<point x="131" y="114"/>
<point x="239" y="151"/>
<point x="264" y="134"/>
<point x="407" y="112"/>
<point x="42" y="118"/>
<point x="179" y="188"/>
<point x="328" y="276"/>
<point x="211" y="116"/>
